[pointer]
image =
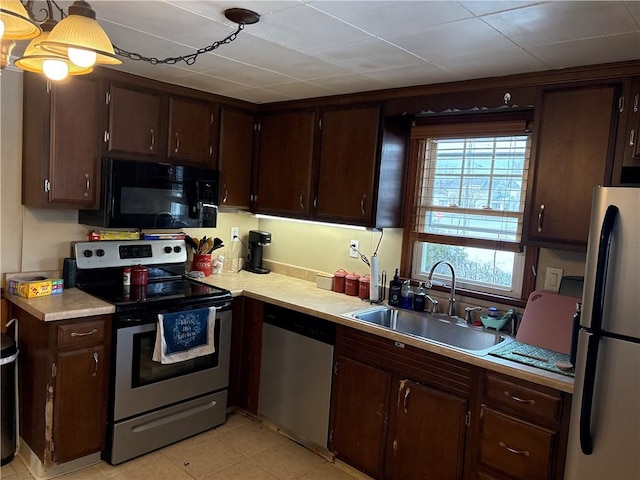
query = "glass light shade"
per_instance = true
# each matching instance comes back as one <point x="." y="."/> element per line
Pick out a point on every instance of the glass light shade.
<point x="81" y="57"/>
<point x="17" y="24"/>
<point x="82" y="32"/>
<point x="55" y="69"/>
<point x="34" y="57"/>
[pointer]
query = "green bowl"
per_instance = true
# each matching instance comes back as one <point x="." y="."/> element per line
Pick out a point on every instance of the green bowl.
<point x="493" y="322"/>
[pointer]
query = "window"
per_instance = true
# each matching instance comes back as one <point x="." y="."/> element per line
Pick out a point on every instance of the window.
<point x="468" y="202"/>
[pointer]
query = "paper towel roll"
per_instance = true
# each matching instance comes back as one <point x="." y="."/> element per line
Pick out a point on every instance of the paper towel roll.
<point x="374" y="288"/>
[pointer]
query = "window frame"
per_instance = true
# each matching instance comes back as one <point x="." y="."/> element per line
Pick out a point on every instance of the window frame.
<point x="462" y="126"/>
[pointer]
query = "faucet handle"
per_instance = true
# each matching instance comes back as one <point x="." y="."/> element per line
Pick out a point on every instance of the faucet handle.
<point x="434" y="303"/>
<point x="468" y="315"/>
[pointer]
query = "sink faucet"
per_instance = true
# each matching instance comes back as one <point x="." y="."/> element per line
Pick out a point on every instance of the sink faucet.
<point x="452" y="298"/>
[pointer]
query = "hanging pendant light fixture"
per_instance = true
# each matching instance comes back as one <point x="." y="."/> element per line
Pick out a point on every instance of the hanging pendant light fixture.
<point x="80" y="38"/>
<point x="54" y="66"/>
<point x="15" y="22"/>
<point x="77" y="42"/>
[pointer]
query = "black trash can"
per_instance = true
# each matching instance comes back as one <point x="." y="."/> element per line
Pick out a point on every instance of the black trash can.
<point x="8" y="398"/>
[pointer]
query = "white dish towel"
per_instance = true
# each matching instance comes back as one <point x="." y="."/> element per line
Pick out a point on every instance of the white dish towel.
<point x="185" y="335"/>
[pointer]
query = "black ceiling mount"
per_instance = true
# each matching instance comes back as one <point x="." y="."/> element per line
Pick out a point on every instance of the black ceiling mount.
<point x="241" y="16"/>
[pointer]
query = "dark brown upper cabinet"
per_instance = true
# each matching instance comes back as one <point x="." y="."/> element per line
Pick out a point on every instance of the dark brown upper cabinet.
<point x="235" y="157"/>
<point x="61" y="149"/>
<point x="135" y="128"/>
<point x="573" y="152"/>
<point x="191" y="131"/>
<point x="627" y="168"/>
<point x="347" y="167"/>
<point x="285" y="163"/>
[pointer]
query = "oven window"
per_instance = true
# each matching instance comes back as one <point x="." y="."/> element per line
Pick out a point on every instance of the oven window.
<point x="146" y="371"/>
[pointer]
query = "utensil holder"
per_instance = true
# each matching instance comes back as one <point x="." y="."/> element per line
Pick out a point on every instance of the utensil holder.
<point x="202" y="263"/>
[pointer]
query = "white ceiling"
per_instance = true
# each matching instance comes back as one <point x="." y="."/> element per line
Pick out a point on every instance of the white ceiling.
<point x="311" y="48"/>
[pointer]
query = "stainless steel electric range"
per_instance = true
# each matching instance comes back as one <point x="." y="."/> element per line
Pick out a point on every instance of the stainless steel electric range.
<point x="152" y="404"/>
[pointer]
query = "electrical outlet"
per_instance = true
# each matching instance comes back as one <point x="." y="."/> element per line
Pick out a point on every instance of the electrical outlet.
<point x="234" y="234"/>
<point x="552" y="279"/>
<point x="354" y="246"/>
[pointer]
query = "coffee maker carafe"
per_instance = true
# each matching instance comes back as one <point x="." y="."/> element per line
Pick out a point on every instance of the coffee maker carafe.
<point x="257" y="241"/>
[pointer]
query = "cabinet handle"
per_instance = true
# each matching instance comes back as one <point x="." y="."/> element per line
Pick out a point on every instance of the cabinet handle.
<point x="95" y="359"/>
<point x="518" y="399"/>
<point x="177" y="143"/>
<point x="406" y="399"/>
<point x="92" y="332"/>
<point x="364" y="197"/>
<point x="513" y="450"/>
<point x="632" y="137"/>
<point x="636" y="102"/>
<point x="224" y="200"/>
<point x="87" y="184"/>
<point x="315" y="202"/>
<point x="540" y="218"/>
<point x="302" y="200"/>
<point x="153" y="139"/>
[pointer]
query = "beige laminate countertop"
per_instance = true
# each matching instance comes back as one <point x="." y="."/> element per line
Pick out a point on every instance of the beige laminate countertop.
<point x="301" y="296"/>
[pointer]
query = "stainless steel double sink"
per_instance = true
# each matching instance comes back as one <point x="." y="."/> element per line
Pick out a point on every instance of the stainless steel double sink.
<point x="442" y="329"/>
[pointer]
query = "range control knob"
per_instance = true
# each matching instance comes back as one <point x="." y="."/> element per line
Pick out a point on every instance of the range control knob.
<point x="87" y="253"/>
<point x="167" y="249"/>
<point x="177" y="249"/>
<point x="100" y="252"/>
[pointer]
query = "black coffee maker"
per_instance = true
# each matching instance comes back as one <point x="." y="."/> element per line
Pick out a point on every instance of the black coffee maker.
<point x="257" y="241"/>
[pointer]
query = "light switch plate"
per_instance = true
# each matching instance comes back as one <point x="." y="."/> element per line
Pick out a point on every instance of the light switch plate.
<point x="552" y="279"/>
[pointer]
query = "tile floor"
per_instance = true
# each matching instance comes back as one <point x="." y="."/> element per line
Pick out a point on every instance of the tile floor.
<point x="242" y="449"/>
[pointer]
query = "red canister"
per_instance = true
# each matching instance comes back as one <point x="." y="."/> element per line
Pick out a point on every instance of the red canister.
<point x="363" y="286"/>
<point x="139" y="276"/>
<point x="339" y="280"/>
<point x="351" y="286"/>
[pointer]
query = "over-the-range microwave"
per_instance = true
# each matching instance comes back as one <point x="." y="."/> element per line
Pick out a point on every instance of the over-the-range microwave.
<point x="138" y="194"/>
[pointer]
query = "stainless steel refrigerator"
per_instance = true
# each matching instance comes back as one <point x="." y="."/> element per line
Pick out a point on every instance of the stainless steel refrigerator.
<point x="604" y="436"/>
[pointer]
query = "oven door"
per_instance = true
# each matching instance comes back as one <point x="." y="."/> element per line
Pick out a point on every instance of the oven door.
<point x="142" y="385"/>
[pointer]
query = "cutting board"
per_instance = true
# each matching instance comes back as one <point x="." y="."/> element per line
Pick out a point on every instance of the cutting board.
<point x="547" y="321"/>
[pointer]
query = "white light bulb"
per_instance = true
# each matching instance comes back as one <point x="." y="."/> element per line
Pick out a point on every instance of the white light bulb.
<point x="81" y="57"/>
<point x="55" y="69"/>
<point x="1" y="28"/>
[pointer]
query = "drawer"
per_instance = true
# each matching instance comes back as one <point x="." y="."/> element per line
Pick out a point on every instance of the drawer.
<point x="516" y="448"/>
<point x="81" y="333"/>
<point x="538" y="405"/>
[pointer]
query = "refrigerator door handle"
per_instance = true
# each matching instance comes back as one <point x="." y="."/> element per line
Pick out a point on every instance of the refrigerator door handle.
<point x="604" y="248"/>
<point x="586" y="407"/>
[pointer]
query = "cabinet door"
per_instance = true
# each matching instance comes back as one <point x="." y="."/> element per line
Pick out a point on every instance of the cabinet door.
<point x="632" y="132"/>
<point x="134" y="122"/>
<point x="74" y="149"/>
<point x="428" y="434"/>
<point x="234" y="162"/>
<point x="190" y="131"/>
<point x="61" y="142"/>
<point x="574" y="134"/>
<point x="79" y="403"/>
<point x="348" y="162"/>
<point x="360" y="408"/>
<point x="284" y="163"/>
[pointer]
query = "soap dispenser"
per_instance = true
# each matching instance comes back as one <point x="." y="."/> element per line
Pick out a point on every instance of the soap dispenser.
<point x="406" y="295"/>
<point x="419" y="298"/>
<point x="395" y="286"/>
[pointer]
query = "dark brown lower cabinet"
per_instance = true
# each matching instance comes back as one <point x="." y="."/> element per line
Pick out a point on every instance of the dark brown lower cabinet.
<point x="399" y="412"/>
<point x="361" y="401"/>
<point x="429" y="433"/>
<point x="63" y="386"/>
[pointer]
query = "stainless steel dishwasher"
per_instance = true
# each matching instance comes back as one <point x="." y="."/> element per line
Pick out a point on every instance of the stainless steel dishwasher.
<point x="296" y="372"/>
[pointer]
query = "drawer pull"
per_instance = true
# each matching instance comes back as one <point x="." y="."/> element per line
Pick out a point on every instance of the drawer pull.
<point x="518" y="399"/>
<point x="513" y="450"/>
<point x="76" y="334"/>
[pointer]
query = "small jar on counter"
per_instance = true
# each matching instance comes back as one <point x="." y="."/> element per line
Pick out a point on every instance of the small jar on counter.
<point x="126" y="276"/>
<point x="364" y="286"/>
<point x="351" y="284"/>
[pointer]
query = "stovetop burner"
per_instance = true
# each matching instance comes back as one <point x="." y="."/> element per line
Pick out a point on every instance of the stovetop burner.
<point x="170" y="290"/>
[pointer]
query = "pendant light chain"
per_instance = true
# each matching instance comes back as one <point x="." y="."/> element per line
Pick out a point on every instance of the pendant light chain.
<point x="188" y="59"/>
